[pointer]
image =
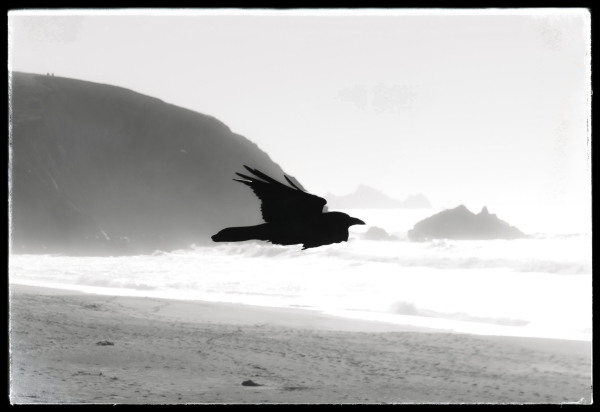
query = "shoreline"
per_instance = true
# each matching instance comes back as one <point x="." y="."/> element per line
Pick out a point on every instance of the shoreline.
<point x="171" y="351"/>
<point x="324" y="320"/>
<point x="239" y="313"/>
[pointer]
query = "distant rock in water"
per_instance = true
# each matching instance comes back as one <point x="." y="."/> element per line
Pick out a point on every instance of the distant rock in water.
<point x="377" y="233"/>
<point x="98" y="169"/>
<point x="366" y="197"/>
<point x="416" y="202"/>
<point x="461" y="224"/>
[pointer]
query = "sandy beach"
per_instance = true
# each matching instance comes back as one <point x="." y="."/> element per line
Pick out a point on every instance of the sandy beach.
<point x="70" y="347"/>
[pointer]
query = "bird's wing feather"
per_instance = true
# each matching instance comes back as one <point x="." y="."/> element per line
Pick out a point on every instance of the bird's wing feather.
<point x="280" y="202"/>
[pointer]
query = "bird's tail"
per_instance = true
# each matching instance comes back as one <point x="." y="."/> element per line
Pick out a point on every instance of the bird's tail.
<point x="239" y="234"/>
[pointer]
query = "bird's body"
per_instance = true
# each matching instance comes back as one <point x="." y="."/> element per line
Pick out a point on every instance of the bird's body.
<point x="292" y="217"/>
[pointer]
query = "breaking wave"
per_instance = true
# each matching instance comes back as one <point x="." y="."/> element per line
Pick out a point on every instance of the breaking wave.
<point x="563" y="255"/>
<point x="410" y="309"/>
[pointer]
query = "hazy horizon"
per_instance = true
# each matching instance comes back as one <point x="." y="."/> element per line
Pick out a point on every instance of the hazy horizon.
<point x="488" y="108"/>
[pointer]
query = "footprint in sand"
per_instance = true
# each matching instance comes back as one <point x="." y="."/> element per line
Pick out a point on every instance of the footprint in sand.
<point x="250" y="383"/>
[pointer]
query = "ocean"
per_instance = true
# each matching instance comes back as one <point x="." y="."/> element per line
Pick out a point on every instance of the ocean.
<point x="538" y="287"/>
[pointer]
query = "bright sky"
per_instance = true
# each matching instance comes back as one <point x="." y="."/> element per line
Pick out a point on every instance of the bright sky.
<point x="477" y="109"/>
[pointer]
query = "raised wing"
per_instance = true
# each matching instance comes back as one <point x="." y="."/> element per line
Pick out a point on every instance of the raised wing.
<point x="280" y="202"/>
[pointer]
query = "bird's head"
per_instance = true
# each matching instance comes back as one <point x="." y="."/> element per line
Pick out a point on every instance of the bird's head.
<point x="354" y="221"/>
<point x="341" y="218"/>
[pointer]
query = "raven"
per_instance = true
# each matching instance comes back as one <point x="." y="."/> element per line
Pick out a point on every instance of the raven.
<point x="293" y="216"/>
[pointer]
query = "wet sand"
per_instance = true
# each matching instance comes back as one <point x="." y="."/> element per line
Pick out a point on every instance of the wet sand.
<point x="70" y="347"/>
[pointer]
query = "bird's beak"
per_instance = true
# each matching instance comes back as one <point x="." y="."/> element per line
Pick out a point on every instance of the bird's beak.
<point x="356" y="221"/>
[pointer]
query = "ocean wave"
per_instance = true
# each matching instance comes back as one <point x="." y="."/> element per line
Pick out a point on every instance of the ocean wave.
<point x="410" y="309"/>
<point x="104" y="282"/>
<point x="520" y="256"/>
<point x="354" y="277"/>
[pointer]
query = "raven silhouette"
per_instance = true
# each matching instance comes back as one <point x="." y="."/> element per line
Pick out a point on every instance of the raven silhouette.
<point x="293" y="216"/>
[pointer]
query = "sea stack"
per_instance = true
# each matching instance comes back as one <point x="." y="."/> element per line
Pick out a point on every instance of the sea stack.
<point x="462" y="224"/>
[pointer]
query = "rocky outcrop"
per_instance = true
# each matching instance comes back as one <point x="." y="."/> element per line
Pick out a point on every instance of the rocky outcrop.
<point x="366" y="197"/>
<point x="98" y="169"/>
<point x="377" y="233"/>
<point x="461" y="224"/>
<point x="418" y="201"/>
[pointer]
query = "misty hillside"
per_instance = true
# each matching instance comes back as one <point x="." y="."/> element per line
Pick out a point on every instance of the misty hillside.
<point x="366" y="197"/>
<point x="98" y="169"/>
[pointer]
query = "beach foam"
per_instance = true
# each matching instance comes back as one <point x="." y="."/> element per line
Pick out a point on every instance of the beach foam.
<point x="540" y="287"/>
